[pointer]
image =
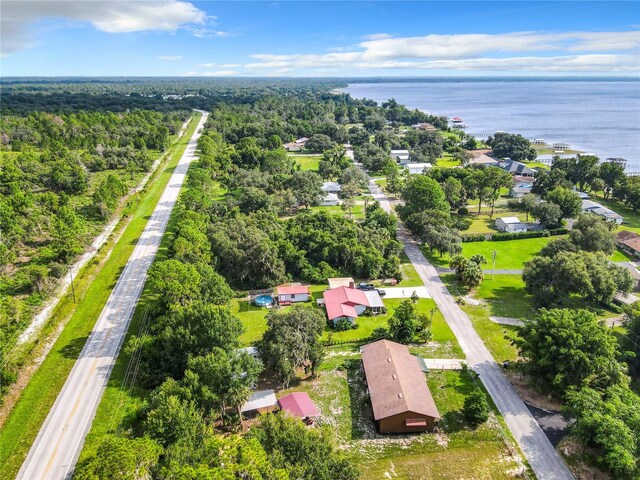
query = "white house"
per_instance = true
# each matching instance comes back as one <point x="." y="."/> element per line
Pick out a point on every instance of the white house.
<point x="609" y="215"/>
<point x="330" y="200"/>
<point x="400" y="156"/>
<point x="417" y="168"/>
<point x="331" y="187"/>
<point x="510" y="225"/>
<point x="292" y="294"/>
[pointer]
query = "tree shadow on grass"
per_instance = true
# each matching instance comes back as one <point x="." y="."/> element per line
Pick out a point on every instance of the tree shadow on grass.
<point x="74" y="347"/>
<point x="511" y="302"/>
<point x="362" y="422"/>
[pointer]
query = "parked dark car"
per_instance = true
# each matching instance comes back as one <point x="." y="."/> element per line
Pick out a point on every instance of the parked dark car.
<point x="382" y="293"/>
<point x="365" y="286"/>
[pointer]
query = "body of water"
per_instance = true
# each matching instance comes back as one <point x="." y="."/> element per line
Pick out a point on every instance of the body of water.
<point x="596" y="116"/>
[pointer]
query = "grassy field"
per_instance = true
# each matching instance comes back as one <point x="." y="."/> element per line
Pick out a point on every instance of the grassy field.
<point x="512" y="254"/>
<point x="307" y="162"/>
<point x="36" y="399"/>
<point x="357" y="211"/>
<point x="483" y="224"/>
<point x="457" y="451"/>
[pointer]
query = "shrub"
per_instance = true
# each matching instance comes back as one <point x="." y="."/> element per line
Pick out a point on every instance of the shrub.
<point x="463" y="211"/>
<point x="379" y="333"/>
<point x="474" y="238"/>
<point x="476" y="408"/>
<point x="342" y="324"/>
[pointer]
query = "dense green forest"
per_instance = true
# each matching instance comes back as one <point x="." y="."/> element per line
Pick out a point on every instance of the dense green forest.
<point x="62" y="175"/>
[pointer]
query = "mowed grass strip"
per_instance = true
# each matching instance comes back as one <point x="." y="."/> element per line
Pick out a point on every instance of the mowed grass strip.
<point x="38" y="396"/>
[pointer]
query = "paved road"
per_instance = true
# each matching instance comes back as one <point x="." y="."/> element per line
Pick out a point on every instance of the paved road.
<point x="55" y="451"/>
<point x="544" y="460"/>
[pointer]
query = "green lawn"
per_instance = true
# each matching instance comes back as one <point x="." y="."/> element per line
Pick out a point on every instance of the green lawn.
<point x="253" y="319"/>
<point x="410" y="277"/>
<point x="357" y="211"/>
<point x="620" y="256"/>
<point x="512" y="254"/>
<point x="457" y="451"/>
<point x="307" y="162"/>
<point x="36" y="399"/>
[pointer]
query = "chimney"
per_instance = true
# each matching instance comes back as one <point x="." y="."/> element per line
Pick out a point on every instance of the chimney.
<point x="352" y="284"/>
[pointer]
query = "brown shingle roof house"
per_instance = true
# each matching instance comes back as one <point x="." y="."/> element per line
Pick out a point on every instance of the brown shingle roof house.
<point x="400" y="397"/>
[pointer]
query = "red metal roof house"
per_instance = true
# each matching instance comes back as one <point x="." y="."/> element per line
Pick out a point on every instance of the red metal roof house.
<point x="288" y="294"/>
<point x="344" y="302"/>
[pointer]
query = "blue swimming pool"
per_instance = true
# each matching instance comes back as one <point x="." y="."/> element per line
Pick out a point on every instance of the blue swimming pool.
<point x="264" y="300"/>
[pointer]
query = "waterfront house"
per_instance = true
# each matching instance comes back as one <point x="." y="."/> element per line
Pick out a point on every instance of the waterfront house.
<point x="520" y="190"/>
<point x="397" y="388"/>
<point x="481" y="157"/>
<point x="629" y="242"/>
<point x="425" y="127"/>
<point x="609" y="215"/>
<point x="510" y="225"/>
<point x="516" y="168"/>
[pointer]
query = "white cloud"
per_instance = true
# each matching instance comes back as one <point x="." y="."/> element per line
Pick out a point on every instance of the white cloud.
<point x="170" y="58"/>
<point x="377" y="36"/>
<point x="118" y="16"/>
<point x="572" y="51"/>
<point x="206" y="32"/>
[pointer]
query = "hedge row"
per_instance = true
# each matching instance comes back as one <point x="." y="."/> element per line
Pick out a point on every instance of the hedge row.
<point x="497" y="237"/>
<point x="481" y="237"/>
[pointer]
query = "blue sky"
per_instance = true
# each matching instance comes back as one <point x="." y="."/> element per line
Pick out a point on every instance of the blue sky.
<point x="273" y="38"/>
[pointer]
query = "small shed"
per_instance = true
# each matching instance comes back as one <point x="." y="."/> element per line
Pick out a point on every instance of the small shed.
<point x="288" y="294"/>
<point x="260" y="402"/>
<point x="298" y="404"/>
<point x="510" y="225"/>
<point x="400" y="156"/>
<point x="417" y="168"/>
<point x="341" y="282"/>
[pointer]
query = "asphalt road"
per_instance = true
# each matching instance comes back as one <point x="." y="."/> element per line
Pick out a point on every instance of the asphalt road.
<point x="55" y="451"/>
<point x="536" y="447"/>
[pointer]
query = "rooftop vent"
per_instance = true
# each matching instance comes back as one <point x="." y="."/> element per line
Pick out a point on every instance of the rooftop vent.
<point x="400" y="395"/>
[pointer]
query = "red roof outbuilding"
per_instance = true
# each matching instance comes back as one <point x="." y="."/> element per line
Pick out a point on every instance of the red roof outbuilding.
<point x="299" y="405"/>
<point x="292" y="290"/>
